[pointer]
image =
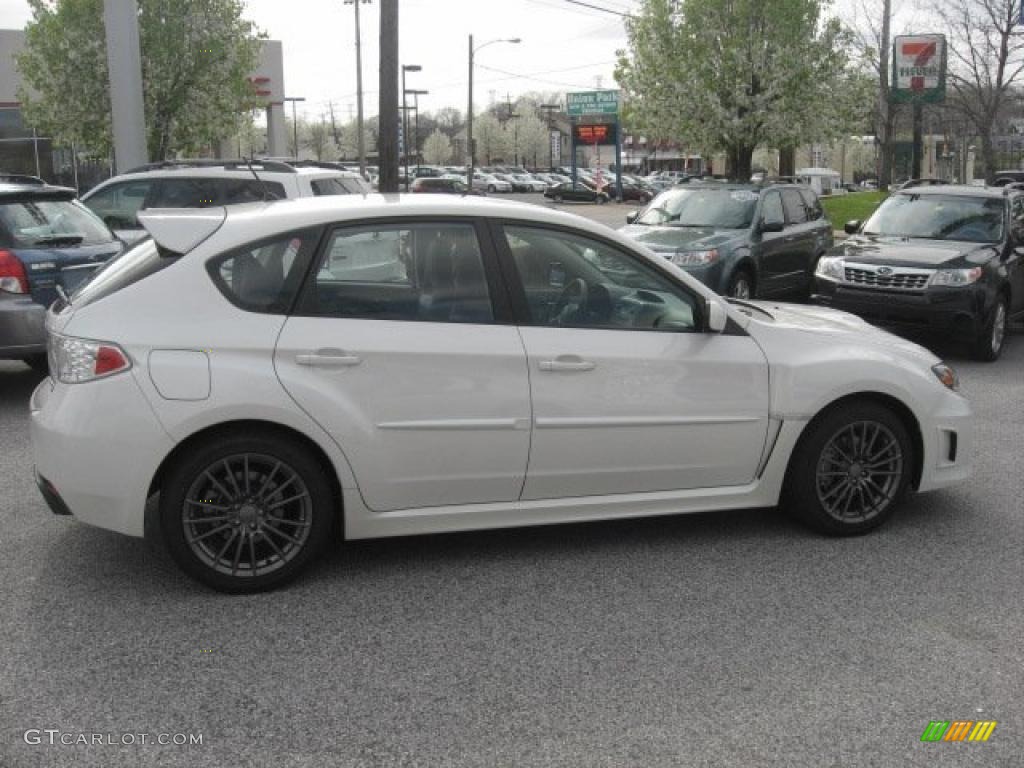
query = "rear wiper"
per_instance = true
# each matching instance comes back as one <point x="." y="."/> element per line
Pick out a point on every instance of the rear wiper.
<point x="60" y="240"/>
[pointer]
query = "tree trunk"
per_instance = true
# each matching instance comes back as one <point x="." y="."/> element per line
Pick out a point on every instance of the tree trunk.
<point x="741" y="159"/>
<point x="988" y="156"/>
<point x="787" y="161"/>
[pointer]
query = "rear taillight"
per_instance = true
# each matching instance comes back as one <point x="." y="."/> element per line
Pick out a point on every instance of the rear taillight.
<point x="12" y="273"/>
<point x="73" y="361"/>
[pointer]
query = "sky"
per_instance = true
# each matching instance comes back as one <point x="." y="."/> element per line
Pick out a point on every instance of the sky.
<point x="565" y="47"/>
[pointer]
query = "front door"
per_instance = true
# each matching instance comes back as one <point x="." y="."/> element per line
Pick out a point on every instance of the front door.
<point x="629" y="395"/>
<point x="396" y="350"/>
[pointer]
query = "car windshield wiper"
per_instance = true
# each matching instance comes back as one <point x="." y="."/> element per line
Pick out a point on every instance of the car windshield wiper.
<point x="59" y="240"/>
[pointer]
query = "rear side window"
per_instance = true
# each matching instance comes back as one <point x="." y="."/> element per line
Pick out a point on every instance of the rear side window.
<point x="794" y="205"/>
<point x="265" y="276"/>
<point x="339" y="185"/>
<point x="117" y="204"/>
<point x="206" y="192"/>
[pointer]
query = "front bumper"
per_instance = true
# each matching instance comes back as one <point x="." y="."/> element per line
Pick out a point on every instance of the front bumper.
<point x="22" y="331"/>
<point x="98" y="446"/>
<point x="947" y="435"/>
<point x="959" y="312"/>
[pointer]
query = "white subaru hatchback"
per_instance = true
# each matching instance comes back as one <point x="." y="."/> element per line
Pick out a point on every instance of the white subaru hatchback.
<point x="401" y="365"/>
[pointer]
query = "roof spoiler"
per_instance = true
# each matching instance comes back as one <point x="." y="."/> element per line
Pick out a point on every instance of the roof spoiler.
<point x="182" y="229"/>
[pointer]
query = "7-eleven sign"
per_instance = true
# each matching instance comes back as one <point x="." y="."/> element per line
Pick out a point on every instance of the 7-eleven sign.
<point x="919" y="68"/>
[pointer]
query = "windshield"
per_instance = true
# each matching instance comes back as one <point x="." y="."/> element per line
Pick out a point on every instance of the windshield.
<point x="43" y="223"/>
<point x="939" y="217"/>
<point x="698" y="207"/>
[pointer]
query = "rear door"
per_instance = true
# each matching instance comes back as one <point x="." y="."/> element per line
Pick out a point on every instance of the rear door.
<point x="773" y="261"/>
<point x="799" y="239"/>
<point x="403" y="349"/>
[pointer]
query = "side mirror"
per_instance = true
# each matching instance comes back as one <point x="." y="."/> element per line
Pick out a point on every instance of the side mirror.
<point x="632" y="216"/>
<point x="715" y="317"/>
<point x="851" y="227"/>
<point x="772" y="226"/>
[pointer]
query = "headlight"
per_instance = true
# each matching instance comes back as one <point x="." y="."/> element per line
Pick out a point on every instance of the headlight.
<point x="831" y="268"/>
<point x="956" y="277"/>
<point x="947" y="376"/>
<point x="694" y="258"/>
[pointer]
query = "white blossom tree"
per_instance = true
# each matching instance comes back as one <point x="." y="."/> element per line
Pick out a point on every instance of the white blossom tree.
<point x="437" y="149"/>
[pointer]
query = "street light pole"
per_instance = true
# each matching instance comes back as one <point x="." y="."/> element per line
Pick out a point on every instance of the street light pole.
<point x="405" y="121"/>
<point x="295" y="122"/>
<point x="360" y="140"/>
<point x="416" y="124"/>
<point x="548" y="109"/>
<point x="469" y="111"/>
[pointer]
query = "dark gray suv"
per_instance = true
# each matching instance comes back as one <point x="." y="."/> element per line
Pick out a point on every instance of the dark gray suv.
<point x="741" y="240"/>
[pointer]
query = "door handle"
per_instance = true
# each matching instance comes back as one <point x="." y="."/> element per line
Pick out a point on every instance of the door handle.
<point x="567" y="363"/>
<point x="327" y="358"/>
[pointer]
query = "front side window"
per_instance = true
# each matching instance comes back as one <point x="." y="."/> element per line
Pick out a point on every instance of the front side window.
<point x="771" y="211"/>
<point x="571" y="280"/>
<point x="794" y="205"/>
<point x="419" y="272"/>
<point x="701" y="207"/>
<point x="265" y="277"/>
<point x="939" y="217"/>
<point x="813" y="205"/>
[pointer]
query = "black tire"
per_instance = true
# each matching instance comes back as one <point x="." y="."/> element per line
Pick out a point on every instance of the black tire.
<point x="602" y="199"/>
<point x="285" y="547"/>
<point x="38" y="363"/>
<point x="832" y="467"/>
<point x="557" y="198"/>
<point x="741" y="285"/>
<point x="490" y="188"/>
<point x="988" y="345"/>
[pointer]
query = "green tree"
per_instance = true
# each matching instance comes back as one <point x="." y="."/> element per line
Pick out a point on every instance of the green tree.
<point x="196" y="55"/>
<point x="733" y="75"/>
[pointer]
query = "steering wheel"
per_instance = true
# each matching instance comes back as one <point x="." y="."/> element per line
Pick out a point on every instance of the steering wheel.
<point x="570" y="302"/>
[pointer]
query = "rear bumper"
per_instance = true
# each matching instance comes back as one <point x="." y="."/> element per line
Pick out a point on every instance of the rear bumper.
<point x="22" y="333"/>
<point x="92" y="465"/>
<point x="959" y="312"/>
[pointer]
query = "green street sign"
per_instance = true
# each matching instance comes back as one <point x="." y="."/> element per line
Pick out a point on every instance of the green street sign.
<point x="592" y="103"/>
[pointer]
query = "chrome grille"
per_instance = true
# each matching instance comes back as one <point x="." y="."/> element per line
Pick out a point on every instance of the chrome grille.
<point x="895" y="278"/>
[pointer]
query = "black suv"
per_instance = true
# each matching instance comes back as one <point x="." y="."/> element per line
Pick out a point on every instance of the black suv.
<point x="741" y="240"/>
<point x="935" y="258"/>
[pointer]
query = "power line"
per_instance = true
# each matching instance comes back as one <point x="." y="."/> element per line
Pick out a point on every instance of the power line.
<point x="529" y="77"/>
<point x="597" y="8"/>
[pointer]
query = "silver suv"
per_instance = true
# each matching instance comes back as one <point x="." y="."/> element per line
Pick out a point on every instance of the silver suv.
<point x="205" y="183"/>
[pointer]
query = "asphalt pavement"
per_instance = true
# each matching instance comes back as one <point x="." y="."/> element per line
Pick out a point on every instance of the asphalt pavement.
<point x="727" y="639"/>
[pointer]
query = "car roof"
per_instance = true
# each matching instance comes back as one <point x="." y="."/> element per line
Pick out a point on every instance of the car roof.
<point x="13" y="191"/>
<point x="181" y="229"/>
<point x="961" y="190"/>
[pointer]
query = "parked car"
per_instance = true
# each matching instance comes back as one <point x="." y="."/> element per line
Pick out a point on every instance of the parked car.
<point x="489" y="183"/>
<point x="580" y="193"/>
<point x="529" y="182"/>
<point x="443" y="185"/>
<point x="481" y="385"/>
<point x="1008" y="177"/>
<point x="741" y="240"/>
<point x="207" y="183"/>
<point x="943" y="259"/>
<point x="513" y="181"/>
<point x="630" y="192"/>
<point x="49" y="242"/>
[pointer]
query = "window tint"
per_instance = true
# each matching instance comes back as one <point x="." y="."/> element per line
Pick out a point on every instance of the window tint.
<point x="339" y="185"/>
<point x="235" y="191"/>
<point x="794" y="204"/>
<point x="421" y="272"/>
<point x="771" y="209"/>
<point x="575" y="281"/>
<point x="186" y="193"/>
<point x="118" y="203"/>
<point x="264" y="277"/>
<point x="813" y="205"/>
<point x="46" y="223"/>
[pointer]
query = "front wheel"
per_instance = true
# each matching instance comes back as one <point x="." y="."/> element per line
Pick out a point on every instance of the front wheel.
<point x="988" y="346"/>
<point x="850" y="469"/>
<point x="246" y="513"/>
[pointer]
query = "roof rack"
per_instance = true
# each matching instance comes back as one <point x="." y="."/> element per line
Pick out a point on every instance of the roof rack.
<point x="232" y="164"/>
<point x="332" y="165"/>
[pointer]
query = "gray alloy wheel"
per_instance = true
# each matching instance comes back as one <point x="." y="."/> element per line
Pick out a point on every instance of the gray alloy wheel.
<point x="989" y="344"/>
<point x="851" y="467"/>
<point x="740" y="287"/>
<point x="246" y="513"/>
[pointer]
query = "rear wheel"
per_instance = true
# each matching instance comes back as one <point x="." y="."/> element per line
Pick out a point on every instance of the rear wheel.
<point x="246" y="513"/>
<point x="490" y="188"/>
<point x="850" y="469"/>
<point x="988" y="346"/>
<point x="557" y="198"/>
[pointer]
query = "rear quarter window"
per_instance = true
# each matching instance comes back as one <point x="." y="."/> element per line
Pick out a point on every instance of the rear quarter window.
<point x="339" y="185"/>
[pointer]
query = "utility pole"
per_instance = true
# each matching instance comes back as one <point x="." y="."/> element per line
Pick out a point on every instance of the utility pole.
<point x="416" y="126"/>
<point x="469" y="111"/>
<point x="549" y="109"/>
<point x="405" y="121"/>
<point x="360" y="147"/>
<point x="295" y="122"/>
<point x="124" y="64"/>
<point x="884" y="106"/>
<point x="334" y="125"/>
<point x="513" y="116"/>
<point x="388" y="111"/>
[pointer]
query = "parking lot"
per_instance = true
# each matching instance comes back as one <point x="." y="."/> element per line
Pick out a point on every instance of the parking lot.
<point x="712" y="639"/>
